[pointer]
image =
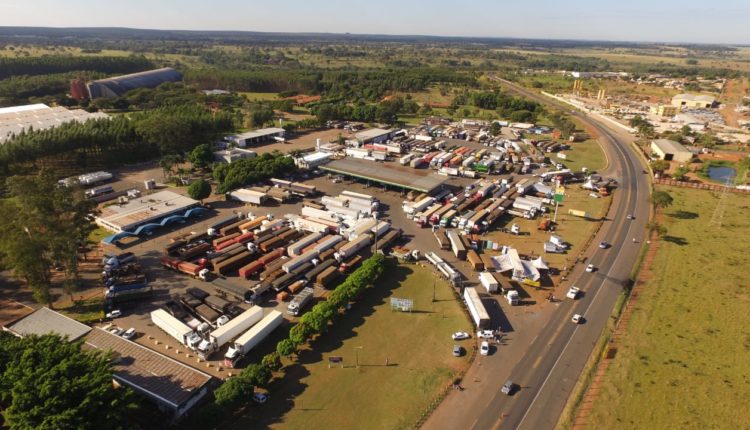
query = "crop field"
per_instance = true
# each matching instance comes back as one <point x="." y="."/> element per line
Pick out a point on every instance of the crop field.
<point x="685" y="353"/>
<point x="404" y="361"/>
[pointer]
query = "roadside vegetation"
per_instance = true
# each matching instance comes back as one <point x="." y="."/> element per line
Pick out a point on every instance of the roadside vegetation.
<point x="395" y="364"/>
<point x="683" y="354"/>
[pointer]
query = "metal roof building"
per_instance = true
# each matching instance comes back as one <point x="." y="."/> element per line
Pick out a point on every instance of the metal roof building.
<point x="261" y="135"/>
<point x="693" y="101"/>
<point x="119" y="85"/>
<point x="15" y="119"/>
<point x="46" y="321"/>
<point x="670" y="150"/>
<point x="374" y="135"/>
<point x="174" y="386"/>
<point x="143" y="210"/>
<point x="386" y="173"/>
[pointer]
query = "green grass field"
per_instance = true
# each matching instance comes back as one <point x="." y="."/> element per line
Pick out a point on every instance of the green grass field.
<point x="684" y="361"/>
<point x="417" y="347"/>
<point x="583" y="154"/>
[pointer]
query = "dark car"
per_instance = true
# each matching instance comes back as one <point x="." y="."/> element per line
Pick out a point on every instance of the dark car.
<point x="508" y="387"/>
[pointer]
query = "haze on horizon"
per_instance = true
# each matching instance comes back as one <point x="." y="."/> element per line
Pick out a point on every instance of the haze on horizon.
<point x="686" y="21"/>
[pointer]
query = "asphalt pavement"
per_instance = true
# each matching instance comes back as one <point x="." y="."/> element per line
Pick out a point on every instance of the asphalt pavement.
<point x="553" y="361"/>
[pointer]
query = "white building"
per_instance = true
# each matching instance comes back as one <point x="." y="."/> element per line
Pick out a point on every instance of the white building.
<point x="255" y="137"/>
<point x="15" y="119"/>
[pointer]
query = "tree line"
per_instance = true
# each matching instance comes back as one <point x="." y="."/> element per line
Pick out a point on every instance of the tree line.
<point x="368" y="85"/>
<point x="239" y="389"/>
<point x="11" y="66"/>
<point x="251" y="170"/>
<point x="116" y="140"/>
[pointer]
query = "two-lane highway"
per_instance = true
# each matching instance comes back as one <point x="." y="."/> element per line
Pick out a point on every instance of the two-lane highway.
<point x="556" y="357"/>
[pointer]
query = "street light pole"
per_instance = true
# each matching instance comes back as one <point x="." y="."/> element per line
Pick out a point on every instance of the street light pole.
<point x="356" y="351"/>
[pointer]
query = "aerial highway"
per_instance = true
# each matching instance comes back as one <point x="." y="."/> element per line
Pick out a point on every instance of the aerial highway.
<point x="553" y="361"/>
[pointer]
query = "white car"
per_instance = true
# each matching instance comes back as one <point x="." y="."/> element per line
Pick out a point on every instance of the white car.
<point x="485" y="334"/>
<point x="604" y="245"/>
<point x="577" y="318"/>
<point x="114" y="314"/>
<point x="129" y="333"/>
<point x="630" y="216"/>
<point x="484" y="348"/>
<point x="573" y="293"/>
<point x="115" y="331"/>
<point x="590" y="268"/>
<point x="460" y="335"/>
<point x="260" y="398"/>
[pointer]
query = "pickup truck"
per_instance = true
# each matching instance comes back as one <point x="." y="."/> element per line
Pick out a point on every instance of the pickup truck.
<point x="573" y="293"/>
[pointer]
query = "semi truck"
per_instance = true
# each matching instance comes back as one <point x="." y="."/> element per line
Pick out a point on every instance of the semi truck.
<point x="476" y="307"/>
<point x="457" y="245"/>
<point x="175" y="328"/>
<point x="252" y="338"/>
<point x="224" y="334"/>
<point x="225" y="287"/>
<point x="300" y="301"/>
<point x="352" y="247"/>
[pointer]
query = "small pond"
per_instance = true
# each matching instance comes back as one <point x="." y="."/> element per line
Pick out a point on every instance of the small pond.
<point x="721" y="173"/>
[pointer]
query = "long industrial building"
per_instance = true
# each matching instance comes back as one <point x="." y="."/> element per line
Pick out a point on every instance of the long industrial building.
<point x="15" y="119"/>
<point x="390" y="174"/>
<point x="119" y="85"/>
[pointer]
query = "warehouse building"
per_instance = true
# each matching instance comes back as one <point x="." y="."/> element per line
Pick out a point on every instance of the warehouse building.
<point x="388" y="174"/>
<point x="147" y="212"/>
<point x="693" y="101"/>
<point x="46" y="321"/>
<point x="119" y="85"/>
<point x="669" y="150"/>
<point x="256" y="137"/>
<point x="374" y="135"/>
<point x="15" y="119"/>
<point x="233" y="154"/>
<point x="173" y="386"/>
<point x="312" y="160"/>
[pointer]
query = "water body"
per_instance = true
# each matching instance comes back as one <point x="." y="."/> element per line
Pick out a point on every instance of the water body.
<point x="721" y="174"/>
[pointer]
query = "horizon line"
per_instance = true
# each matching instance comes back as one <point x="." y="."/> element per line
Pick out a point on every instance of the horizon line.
<point x="388" y="35"/>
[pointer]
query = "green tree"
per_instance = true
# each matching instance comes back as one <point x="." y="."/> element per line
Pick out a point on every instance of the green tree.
<point x="286" y="347"/>
<point x="44" y="225"/>
<point x="659" y="165"/>
<point x="654" y="226"/>
<point x="53" y="383"/>
<point x="680" y="173"/>
<point x="199" y="190"/>
<point x="495" y="129"/>
<point x="300" y="333"/>
<point x="661" y="199"/>
<point x="201" y="156"/>
<point x="257" y="374"/>
<point x="167" y="164"/>
<point x="260" y="117"/>
<point x="234" y="391"/>
<point x="271" y="361"/>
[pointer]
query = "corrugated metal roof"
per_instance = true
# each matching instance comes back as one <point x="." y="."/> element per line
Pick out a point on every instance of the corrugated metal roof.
<point x="670" y="146"/>
<point x="388" y="173"/>
<point x="46" y="321"/>
<point x="148" y="371"/>
<point x="119" y="85"/>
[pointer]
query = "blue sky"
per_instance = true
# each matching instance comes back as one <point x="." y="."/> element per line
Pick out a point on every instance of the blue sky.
<point x="718" y="21"/>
